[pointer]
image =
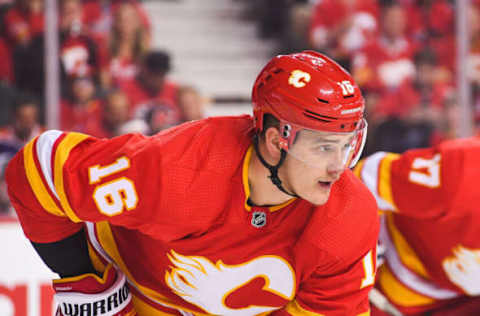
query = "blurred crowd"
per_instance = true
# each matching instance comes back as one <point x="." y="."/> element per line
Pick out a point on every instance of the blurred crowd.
<point x="402" y="53"/>
<point x="112" y="80"/>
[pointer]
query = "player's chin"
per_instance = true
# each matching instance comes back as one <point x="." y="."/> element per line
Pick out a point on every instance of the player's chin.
<point x="319" y="196"/>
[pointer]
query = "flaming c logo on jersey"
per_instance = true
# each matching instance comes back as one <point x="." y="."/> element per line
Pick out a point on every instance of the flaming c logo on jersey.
<point x="208" y="285"/>
<point x="299" y="78"/>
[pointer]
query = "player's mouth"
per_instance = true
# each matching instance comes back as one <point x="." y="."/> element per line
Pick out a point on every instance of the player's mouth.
<point x="325" y="184"/>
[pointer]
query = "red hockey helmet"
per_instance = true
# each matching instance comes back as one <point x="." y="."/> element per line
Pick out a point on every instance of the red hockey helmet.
<point x="310" y="91"/>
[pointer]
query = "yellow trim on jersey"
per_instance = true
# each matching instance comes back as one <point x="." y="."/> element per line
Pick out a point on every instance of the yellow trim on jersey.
<point x="107" y="241"/>
<point x="357" y="171"/>
<point x="384" y="181"/>
<point x="96" y="262"/>
<point x="246" y="187"/>
<point x="293" y="308"/>
<point x="61" y="155"/>
<point x="279" y="206"/>
<point x="367" y="313"/>
<point x="36" y="183"/>
<point x="407" y="255"/>
<point x="398" y="293"/>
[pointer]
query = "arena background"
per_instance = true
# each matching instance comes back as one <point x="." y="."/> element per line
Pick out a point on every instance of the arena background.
<point x="425" y="91"/>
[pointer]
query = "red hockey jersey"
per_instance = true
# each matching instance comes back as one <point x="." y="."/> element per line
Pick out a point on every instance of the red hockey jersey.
<point x="171" y="211"/>
<point x="431" y="229"/>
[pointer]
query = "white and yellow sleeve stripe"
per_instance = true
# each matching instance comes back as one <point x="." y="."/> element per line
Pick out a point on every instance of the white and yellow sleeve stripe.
<point x="374" y="172"/>
<point x="404" y="279"/>
<point x="44" y="170"/>
<point x="61" y="155"/>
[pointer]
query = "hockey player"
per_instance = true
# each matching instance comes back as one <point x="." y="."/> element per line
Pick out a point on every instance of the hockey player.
<point x="222" y="216"/>
<point x="430" y="228"/>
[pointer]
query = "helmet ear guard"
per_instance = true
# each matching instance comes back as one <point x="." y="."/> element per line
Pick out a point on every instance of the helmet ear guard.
<point x="287" y="135"/>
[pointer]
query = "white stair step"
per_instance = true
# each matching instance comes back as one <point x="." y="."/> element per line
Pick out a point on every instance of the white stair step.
<point x="212" y="47"/>
<point x="229" y="109"/>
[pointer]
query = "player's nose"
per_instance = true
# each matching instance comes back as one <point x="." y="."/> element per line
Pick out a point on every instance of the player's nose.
<point x="336" y="165"/>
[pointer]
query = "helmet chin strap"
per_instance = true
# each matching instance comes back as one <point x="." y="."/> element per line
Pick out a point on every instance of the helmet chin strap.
<point x="273" y="169"/>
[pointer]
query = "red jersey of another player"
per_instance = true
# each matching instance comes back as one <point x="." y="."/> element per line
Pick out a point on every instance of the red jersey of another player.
<point x="432" y="228"/>
<point x="172" y="212"/>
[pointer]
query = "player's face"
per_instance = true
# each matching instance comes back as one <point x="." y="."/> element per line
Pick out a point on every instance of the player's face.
<point x="314" y="162"/>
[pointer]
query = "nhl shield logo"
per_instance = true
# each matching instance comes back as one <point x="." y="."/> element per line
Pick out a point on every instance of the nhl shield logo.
<point x="259" y="219"/>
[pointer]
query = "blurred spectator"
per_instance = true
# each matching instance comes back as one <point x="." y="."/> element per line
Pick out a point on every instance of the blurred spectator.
<point x="151" y="86"/>
<point x="295" y="37"/>
<point x="113" y="115"/>
<point x="24" y="126"/>
<point x="192" y="104"/>
<point x="430" y="94"/>
<point x="474" y="58"/>
<point x="98" y="14"/>
<point x="414" y="114"/>
<point x="8" y="98"/>
<point x="134" y="126"/>
<point x="426" y="90"/>
<point x="23" y="21"/>
<point x="342" y="27"/>
<point x="162" y="116"/>
<point x="386" y="61"/>
<point x="128" y="40"/>
<point x="80" y="105"/>
<point x="6" y="70"/>
<point x="159" y="118"/>
<point x="270" y="16"/>
<point x="439" y="25"/>
<point x="427" y="18"/>
<point x="79" y="52"/>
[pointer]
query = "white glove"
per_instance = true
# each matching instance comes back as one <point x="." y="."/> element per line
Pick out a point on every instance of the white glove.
<point x="90" y="295"/>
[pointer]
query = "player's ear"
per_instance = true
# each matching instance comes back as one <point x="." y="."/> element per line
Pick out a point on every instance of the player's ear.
<point x="272" y="142"/>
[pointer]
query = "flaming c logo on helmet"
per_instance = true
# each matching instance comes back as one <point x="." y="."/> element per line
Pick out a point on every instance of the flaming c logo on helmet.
<point x="299" y="78"/>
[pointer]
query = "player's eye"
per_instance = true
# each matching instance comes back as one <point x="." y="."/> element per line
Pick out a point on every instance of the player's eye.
<point x="324" y="148"/>
<point x="347" y="146"/>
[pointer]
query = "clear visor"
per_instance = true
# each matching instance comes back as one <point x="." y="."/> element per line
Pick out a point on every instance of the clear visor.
<point x="319" y="149"/>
